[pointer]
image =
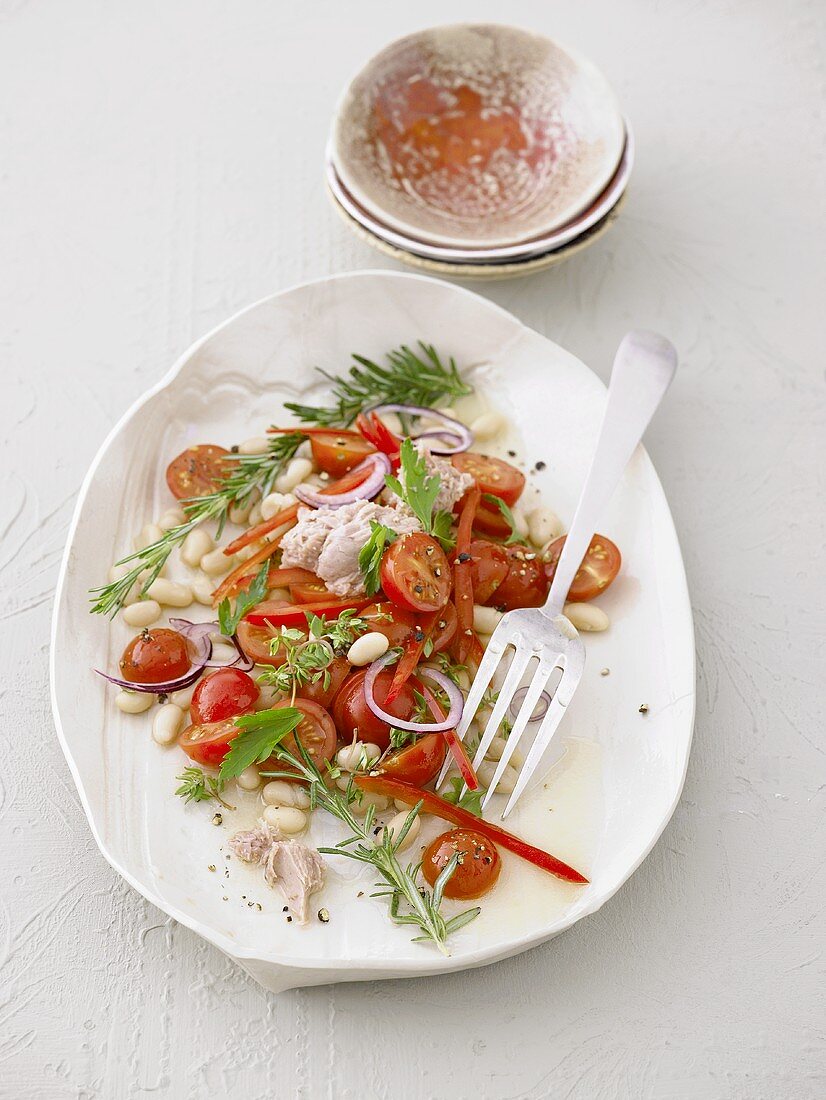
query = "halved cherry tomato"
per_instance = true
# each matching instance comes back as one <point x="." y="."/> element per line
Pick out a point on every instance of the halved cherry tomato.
<point x="489" y="567"/>
<point x="223" y="694"/>
<point x="284" y="576"/>
<point x="444" y="628"/>
<point x="277" y="613"/>
<point x="526" y="584"/>
<point x="478" y="867"/>
<point x="417" y="763"/>
<point x="413" y="650"/>
<point x="316" y="732"/>
<point x="490" y="521"/>
<point x="337" y="672"/>
<point x="197" y="471"/>
<point x="393" y="622"/>
<point x="457" y="749"/>
<point x="154" y="656"/>
<point x="599" y="567"/>
<point x="255" y="642"/>
<point x="415" y="573"/>
<point x="338" y="452"/>
<point x="492" y="475"/>
<point x="351" y="712"/>
<point x="310" y="592"/>
<point x="207" y="743"/>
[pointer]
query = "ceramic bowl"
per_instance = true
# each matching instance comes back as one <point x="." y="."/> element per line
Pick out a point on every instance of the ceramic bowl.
<point x="477" y="136"/>
<point x="621" y="774"/>
<point x="538" y="247"/>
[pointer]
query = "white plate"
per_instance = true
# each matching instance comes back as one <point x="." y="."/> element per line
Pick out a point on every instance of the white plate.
<point x="228" y="386"/>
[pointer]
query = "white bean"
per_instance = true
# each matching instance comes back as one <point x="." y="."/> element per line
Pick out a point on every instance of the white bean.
<point x="397" y="802"/>
<point x="286" y="819"/>
<point x="304" y="450"/>
<point x="245" y="553"/>
<point x="368" y="648"/>
<point x="360" y="808"/>
<point x="142" y="613"/>
<point x="258" y="445"/>
<point x="543" y="526"/>
<point x="172" y="518"/>
<point x="585" y="616"/>
<point x="274" y="503"/>
<point x="278" y="792"/>
<point x="297" y="469"/>
<point x="249" y="779"/>
<point x="255" y="516"/>
<point x="167" y="724"/>
<point x="134" y="702"/>
<point x="149" y="534"/>
<point x="279" y="594"/>
<point x="202" y="590"/>
<point x="497" y="747"/>
<point x="487" y="425"/>
<point x="358" y="756"/>
<point x="226" y="654"/>
<point x="506" y="784"/>
<point x="195" y="545"/>
<point x="397" y="824"/>
<point x="520" y="521"/>
<point x="183" y="697"/>
<point x="268" y="697"/>
<point x="170" y="593"/>
<point x="393" y="422"/>
<point x="239" y="513"/>
<point x="216" y="562"/>
<point x="485" y="619"/>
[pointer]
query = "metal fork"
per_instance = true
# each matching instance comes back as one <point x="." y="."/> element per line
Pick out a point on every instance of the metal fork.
<point x="643" y="368"/>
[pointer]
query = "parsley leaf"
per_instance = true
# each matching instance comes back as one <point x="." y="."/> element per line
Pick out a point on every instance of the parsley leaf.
<point x="228" y="619"/>
<point x="260" y="734"/>
<point x="470" y="800"/>
<point x="371" y="554"/>
<point x="419" y="489"/>
<point x="514" y="536"/>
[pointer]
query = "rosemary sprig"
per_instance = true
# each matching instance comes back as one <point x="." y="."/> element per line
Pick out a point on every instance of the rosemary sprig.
<point x="411" y="378"/>
<point x="196" y="786"/>
<point x="398" y="883"/>
<point x="250" y="472"/>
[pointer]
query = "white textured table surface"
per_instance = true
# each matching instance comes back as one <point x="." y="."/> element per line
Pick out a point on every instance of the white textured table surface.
<point x="161" y="167"/>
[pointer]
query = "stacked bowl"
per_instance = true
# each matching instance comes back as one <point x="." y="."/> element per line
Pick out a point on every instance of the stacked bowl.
<point x="482" y="151"/>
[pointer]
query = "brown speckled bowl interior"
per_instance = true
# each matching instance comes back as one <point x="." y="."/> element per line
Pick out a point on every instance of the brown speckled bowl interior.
<point x="477" y="135"/>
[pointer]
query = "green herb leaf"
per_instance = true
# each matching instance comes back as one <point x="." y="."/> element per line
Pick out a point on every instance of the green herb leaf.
<point x="417" y="488"/>
<point x="470" y="800"/>
<point x="410" y="378"/>
<point x="260" y="733"/>
<point x="371" y="554"/>
<point x="400" y="738"/>
<point x="514" y="536"/>
<point x="196" y="786"/>
<point x="228" y="619"/>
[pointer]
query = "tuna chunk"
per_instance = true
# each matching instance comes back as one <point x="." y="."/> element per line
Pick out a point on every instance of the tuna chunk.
<point x="328" y="540"/>
<point x="452" y="483"/>
<point x="296" y="869"/>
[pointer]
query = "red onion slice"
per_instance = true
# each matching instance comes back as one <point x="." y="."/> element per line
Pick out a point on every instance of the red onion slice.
<point x="163" y="688"/>
<point x="457" y="436"/>
<point x="540" y="710"/>
<point x="379" y="464"/>
<point x="453" y="693"/>
<point x="199" y="635"/>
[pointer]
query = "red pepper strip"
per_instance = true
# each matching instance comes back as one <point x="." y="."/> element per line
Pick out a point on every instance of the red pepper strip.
<point x="457" y="749"/>
<point x="433" y="804"/>
<point x="283" y="577"/>
<point x="462" y="578"/>
<point x="375" y="431"/>
<point x="234" y="580"/>
<point x="477" y="650"/>
<point x="276" y="613"/>
<point x="413" y="649"/>
<point x="286" y="515"/>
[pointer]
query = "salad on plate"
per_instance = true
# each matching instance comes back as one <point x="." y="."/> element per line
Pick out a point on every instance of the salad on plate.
<point x="355" y="560"/>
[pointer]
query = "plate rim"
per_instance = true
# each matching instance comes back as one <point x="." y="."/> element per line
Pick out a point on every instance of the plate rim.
<point x="364" y="968"/>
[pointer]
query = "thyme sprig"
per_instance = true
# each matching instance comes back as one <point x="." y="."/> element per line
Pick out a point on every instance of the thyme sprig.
<point x="249" y="473"/>
<point x="410" y="378"/>
<point x="399" y="883"/>
<point x="196" y="786"/>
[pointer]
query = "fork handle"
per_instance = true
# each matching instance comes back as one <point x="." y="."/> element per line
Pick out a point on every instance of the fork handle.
<point x="643" y="368"/>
